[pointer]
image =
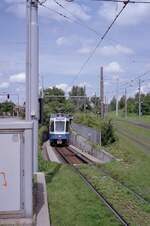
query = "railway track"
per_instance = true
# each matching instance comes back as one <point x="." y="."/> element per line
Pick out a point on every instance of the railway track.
<point x="73" y="159"/>
<point x="136" y="194"/>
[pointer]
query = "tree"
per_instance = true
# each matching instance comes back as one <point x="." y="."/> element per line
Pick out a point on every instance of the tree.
<point x="113" y="104"/>
<point x="145" y="106"/>
<point x="81" y="99"/>
<point x="77" y="91"/>
<point x="122" y="102"/>
<point x="55" y="102"/>
<point x="131" y="104"/>
<point x="6" y="108"/>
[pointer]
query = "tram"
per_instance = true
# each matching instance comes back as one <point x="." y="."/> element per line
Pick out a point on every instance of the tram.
<point x="59" y="129"/>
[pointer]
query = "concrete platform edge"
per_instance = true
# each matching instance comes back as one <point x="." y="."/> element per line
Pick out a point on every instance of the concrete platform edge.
<point x="42" y="218"/>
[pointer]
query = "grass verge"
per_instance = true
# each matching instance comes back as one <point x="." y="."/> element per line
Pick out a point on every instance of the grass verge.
<point x="134" y="210"/>
<point x="71" y="202"/>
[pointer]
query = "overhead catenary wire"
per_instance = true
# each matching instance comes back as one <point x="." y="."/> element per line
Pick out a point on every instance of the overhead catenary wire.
<point x="55" y="11"/>
<point x="135" y="79"/>
<point x="78" y="20"/>
<point x="75" y="19"/>
<point x="99" y="42"/>
<point x="129" y="86"/>
<point x="121" y="1"/>
<point x="92" y="53"/>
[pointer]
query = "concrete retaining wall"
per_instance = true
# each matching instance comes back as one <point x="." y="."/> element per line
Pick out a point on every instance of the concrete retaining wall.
<point x="87" y="147"/>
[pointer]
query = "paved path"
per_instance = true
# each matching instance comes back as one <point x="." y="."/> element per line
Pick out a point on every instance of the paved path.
<point x="42" y="205"/>
<point x="50" y="154"/>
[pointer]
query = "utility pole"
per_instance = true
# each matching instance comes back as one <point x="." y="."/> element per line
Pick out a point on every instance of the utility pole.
<point x="28" y="58"/>
<point x="126" y="107"/>
<point x="117" y="91"/>
<point x="105" y="106"/>
<point x="102" y="93"/>
<point x="32" y="73"/>
<point x="139" y="97"/>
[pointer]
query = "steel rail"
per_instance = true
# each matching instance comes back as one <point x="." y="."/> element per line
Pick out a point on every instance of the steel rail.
<point x="90" y="185"/>
<point x="137" y="195"/>
<point x="102" y="197"/>
<point x="70" y="157"/>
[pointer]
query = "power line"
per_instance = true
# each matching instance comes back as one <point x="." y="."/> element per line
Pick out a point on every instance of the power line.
<point x="76" y="20"/>
<point x="80" y="22"/>
<point x="129" y="86"/>
<point x="136" y="78"/>
<point x="99" y="42"/>
<point x="132" y="2"/>
<point x="55" y="11"/>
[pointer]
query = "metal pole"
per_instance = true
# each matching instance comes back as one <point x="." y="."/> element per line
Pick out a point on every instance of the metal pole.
<point x="28" y="58"/>
<point x="34" y="77"/>
<point x="117" y="90"/>
<point x="139" y="97"/>
<point x="126" y="103"/>
<point x="105" y="107"/>
<point x="102" y="93"/>
<point x="95" y="103"/>
<point x="18" y="106"/>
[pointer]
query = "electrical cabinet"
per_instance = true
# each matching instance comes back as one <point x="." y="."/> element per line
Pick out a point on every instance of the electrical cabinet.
<point x="16" y="168"/>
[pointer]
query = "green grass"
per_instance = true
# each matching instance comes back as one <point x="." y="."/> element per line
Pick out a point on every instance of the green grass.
<point x="139" y="136"/>
<point x="141" y="132"/>
<point x="143" y="119"/>
<point x="72" y="203"/>
<point x="88" y="119"/>
<point x="134" y="210"/>
<point x="133" y="169"/>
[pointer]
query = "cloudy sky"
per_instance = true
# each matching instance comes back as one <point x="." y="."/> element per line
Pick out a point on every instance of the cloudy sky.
<point x="65" y="44"/>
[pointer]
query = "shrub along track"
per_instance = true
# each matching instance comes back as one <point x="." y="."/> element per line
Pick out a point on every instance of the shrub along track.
<point x="74" y="160"/>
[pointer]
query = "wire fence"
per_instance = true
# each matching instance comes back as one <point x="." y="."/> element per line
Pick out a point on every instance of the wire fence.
<point x="89" y="133"/>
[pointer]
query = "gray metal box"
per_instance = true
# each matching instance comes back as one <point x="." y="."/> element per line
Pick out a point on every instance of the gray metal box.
<point x="16" y="168"/>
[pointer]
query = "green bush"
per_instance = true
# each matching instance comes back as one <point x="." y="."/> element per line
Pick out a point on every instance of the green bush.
<point x="108" y="133"/>
<point x="95" y="122"/>
<point x="43" y="132"/>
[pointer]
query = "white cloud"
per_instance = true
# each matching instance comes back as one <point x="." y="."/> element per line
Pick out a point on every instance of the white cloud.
<point x="113" y="67"/>
<point x="4" y="85"/>
<point x="18" y="9"/>
<point x="65" y="87"/>
<point x="61" y="41"/>
<point x="82" y="12"/>
<point x="84" y="50"/>
<point x="132" y="15"/>
<point x="86" y="84"/>
<point x="17" y="78"/>
<point x="118" y="49"/>
<point x="145" y="88"/>
<point x="109" y="50"/>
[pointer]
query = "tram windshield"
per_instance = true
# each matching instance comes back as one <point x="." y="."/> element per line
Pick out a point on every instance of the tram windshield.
<point x="59" y="126"/>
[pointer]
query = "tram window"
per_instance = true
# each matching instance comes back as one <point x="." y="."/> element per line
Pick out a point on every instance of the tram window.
<point x="52" y="126"/>
<point x="67" y="126"/>
<point x="59" y="126"/>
